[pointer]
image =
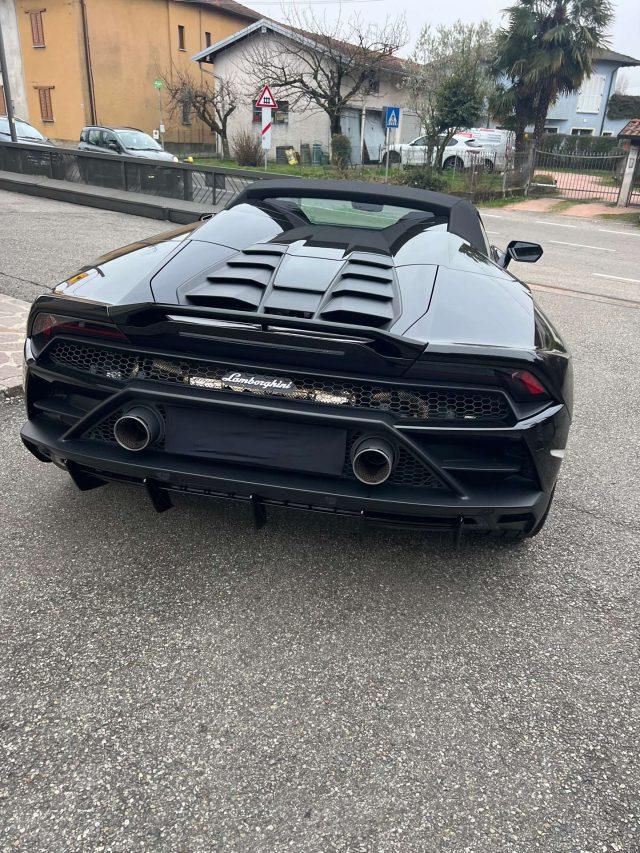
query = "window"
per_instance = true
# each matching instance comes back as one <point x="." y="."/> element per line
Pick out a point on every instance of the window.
<point x="582" y="131"/>
<point x="351" y="214"/>
<point x="207" y="39"/>
<point x="373" y="85"/>
<point x="590" y="94"/>
<point x="551" y="130"/>
<point x="46" y="108"/>
<point x="181" y="42"/>
<point x="95" y="136"/>
<point x="604" y="132"/>
<point x="37" y="30"/>
<point x="3" y="102"/>
<point x="422" y="140"/>
<point x="186" y="112"/>
<point x="279" y="116"/>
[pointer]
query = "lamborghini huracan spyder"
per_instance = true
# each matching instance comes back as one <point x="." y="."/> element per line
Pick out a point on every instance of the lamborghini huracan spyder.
<point x="340" y="347"/>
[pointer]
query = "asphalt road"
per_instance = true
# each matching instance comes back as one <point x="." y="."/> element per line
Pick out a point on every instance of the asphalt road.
<point x="183" y="683"/>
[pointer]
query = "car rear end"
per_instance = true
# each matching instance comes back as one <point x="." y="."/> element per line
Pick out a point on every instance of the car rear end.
<point x="365" y="425"/>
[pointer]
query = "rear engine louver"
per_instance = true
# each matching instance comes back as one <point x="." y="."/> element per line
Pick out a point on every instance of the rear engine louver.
<point x="239" y="284"/>
<point x="268" y="278"/>
<point x="363" y="293"/>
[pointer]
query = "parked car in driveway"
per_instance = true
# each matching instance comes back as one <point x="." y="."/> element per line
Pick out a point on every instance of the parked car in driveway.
<point x="463" y="151"/>
<point x="123" y="140"/>
<point x="24" y="131"/>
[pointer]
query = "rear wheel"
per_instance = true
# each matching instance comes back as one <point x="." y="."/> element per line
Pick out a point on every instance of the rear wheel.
<point x="489" y="166"/>
<point x="394" y="158"/>
<point x="453" y="163"/>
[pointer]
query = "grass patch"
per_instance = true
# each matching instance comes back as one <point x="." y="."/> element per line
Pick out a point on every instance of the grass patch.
<point x="632" y="217"/>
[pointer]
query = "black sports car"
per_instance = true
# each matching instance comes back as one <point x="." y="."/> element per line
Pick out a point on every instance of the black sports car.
<point x="340" y="347"/>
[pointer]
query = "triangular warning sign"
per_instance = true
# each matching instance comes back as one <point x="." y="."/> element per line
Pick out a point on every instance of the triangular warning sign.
<point x="393" y="120"/>
<point x="266" y="99"/>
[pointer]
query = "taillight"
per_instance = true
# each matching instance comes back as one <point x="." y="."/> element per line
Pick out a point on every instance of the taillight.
<point x="46" y="326"/>
<point x="533" y="386"/>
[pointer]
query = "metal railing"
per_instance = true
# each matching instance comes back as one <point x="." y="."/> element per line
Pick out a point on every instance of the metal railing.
<point x="580" y="176"/>
<point x="209" y="186"/>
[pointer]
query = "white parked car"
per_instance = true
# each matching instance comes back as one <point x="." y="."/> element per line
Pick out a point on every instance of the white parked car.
<point x="464" y="150"/>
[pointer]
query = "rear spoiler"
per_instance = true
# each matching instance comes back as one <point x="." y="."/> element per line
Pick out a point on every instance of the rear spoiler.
<point x="149" y="318"/>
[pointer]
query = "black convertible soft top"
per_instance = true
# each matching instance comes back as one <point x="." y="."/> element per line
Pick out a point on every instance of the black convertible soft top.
<point x="462" y="217"/>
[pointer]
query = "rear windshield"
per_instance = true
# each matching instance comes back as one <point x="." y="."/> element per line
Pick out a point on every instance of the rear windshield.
<point x="353" y="214"/>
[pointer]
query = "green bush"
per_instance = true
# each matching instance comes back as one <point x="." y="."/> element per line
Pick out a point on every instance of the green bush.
<point x="541" y="178"/>
<point x="623" y="106"/>
<point x="340" y="150"/>
<point x="422" y="177"/>
<point x="564" y="143"/>
<point x="247" y="149"/>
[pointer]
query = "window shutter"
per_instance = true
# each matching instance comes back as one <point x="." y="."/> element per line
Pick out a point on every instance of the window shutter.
<point x="46" y="107"/>
<point x="590" y="94"/>
<point x="3" y="102"/>
<point x="37" y="28"/>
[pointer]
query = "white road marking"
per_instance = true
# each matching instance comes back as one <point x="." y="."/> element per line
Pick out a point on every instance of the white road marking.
<point x="559" y="224"/>
<point x="582" y="246"/>
<point x="617" y="277"/>
<point x="626" y="233"/>
<point x="492" y="216"/>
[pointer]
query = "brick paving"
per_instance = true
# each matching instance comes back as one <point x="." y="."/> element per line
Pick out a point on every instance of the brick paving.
<point x="13" y="320"/>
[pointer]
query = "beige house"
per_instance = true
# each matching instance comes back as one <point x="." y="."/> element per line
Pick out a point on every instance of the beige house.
<point x="362" y="121"/>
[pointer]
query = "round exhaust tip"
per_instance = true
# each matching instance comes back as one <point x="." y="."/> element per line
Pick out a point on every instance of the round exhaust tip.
<point x="372" y="460"/>
<point x="137" y="428"/>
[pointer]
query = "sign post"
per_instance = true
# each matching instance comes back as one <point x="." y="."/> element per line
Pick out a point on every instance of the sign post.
<point x="266" y="102"/>
<point x="392" y="120"/>
<point x="158" y="83"/>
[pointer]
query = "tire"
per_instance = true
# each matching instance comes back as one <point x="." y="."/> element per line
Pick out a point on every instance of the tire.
<point x="489" y="166"/>
<point x="394" y="158"/>
<point x="453" y="162"/>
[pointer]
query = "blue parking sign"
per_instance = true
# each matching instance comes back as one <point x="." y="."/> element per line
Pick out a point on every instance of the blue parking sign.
<point x="393" y="117"/>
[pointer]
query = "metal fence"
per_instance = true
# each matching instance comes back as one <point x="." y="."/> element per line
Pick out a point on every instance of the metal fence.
<point x="209" y="186"/>
<point x="579" y="176"/>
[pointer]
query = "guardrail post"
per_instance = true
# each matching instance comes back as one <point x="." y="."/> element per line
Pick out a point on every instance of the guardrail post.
<point x="123" y="175"/>
<point x="187" y="181"/>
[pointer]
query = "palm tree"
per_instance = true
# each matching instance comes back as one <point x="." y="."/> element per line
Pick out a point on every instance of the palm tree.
<point x="545" y="50"/>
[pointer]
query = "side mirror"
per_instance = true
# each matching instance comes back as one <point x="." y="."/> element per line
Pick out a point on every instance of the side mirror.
<point x="113" y="145"/>
<point x="520" y="250"/>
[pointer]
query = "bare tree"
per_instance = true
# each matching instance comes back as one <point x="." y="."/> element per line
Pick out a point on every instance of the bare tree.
<point x="211" y="99"/>
<point x="323" y="65"/>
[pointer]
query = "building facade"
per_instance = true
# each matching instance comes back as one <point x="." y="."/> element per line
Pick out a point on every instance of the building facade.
<point x="303" y="125"/>
<point x="95" y="61"/>
<point x="584" y="113"/>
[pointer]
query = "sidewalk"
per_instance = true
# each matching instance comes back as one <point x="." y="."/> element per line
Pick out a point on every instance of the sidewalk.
<point x="137" y="204"/>
<point x="13" y="320"/>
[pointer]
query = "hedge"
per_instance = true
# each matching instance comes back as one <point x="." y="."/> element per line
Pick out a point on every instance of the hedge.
<point x="623" y="106"/>
<point x="564" y="143"/>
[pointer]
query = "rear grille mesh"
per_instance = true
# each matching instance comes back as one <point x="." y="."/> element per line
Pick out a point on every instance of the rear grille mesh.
<point x="425" y="404"/>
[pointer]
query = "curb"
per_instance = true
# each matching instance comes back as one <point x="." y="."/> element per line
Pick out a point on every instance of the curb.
<point x="8" y="391"/>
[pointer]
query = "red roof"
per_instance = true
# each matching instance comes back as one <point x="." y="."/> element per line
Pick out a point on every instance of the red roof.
<point x="631" y="130"/>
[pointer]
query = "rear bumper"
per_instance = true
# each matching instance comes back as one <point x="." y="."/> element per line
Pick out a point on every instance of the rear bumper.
<point x="514" y="503"/>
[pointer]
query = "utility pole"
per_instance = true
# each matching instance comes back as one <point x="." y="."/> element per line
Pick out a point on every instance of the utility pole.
<point x="7" y="89"/>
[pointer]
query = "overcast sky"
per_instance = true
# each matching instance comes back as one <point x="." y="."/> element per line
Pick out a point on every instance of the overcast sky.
<point x="625" y="32"/>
